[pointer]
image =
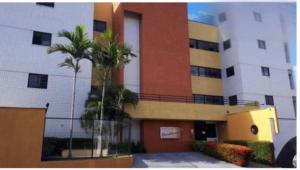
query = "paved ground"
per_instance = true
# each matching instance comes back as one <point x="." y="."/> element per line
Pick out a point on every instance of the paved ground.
<point x="178" y="160"/>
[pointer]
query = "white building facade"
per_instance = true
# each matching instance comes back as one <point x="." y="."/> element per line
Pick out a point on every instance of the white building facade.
<point x="255" y="42"/>
<point x="29" y="77"/>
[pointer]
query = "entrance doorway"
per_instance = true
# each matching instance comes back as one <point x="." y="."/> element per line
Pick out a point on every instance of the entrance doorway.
<point x="205" y="131"/>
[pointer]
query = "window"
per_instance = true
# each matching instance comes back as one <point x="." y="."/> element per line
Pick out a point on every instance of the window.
<point x="226" y="44"/>
<point x="99" y="26"/>
<point x="230" y="71"/>
<point x="48" y="4"/>
<point x="194" y="70"/>
<point x="37" y="81"/>
<point x="269" y="100"/>
<point x="222" y="17"/>
<point x="207" y="99"/>
<point x="205" y="72"/>
<point x="232" y="100"/>
<point x="41" y="38"/>
<point x="295" y="105"/>
<point x="265" y="71"/>
<point x="193" y="43"/>
<point x="204" y="45"/>
<point x="261" y="44"/>
<point x="286" y="52"/>
<point x="257" y="16"/>
<point x="291" y="79"/>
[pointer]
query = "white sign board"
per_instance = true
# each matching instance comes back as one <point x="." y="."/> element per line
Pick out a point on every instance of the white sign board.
<point x="169" y="132"/>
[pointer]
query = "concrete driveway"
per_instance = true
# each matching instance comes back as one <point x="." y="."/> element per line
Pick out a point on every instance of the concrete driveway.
<point x="178" y="160"/>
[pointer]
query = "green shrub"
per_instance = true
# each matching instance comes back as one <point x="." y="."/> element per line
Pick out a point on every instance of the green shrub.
<point x="236" y="154"/>
<point x="263" y="151"/>
<point x="198" y="145"/>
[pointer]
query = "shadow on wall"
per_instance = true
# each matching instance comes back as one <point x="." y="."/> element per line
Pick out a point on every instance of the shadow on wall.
<point x="287" y="154"/>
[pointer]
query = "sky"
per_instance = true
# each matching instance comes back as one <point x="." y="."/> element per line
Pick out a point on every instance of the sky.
<point x="203" y="11"/>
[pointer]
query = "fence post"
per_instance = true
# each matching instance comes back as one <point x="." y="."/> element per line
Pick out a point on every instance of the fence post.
<point x="93" y="138"/>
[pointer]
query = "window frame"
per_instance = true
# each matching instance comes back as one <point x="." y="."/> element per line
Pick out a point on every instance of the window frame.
<point x="46" y="4"/>
<point x="222" y="17"/>
<point x="269" y="100"/>
<point x="206" y="72"/>
<point x="257" y="16"/>
<point x="208" y="99"/>
<point x="204" y="45"/>
<point x="230" y="73"/>
<point x="265" y="70"/>
<point x="226" y="44"/>
<point x="233" y="100"/>
<point x="291" y="79"/>
<point x="262" y="44"/>
<point x="40" y="80"/>
<point x="36" y="41"/>
<point x="99" y="22"/>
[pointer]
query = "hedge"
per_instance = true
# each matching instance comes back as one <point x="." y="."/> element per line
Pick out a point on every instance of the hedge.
<point x="263" y="151"/>
<point x="236" y="154"/>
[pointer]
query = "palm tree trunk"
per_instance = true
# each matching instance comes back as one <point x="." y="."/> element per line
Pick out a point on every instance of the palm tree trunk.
<point x="72" y="110"/>
<point x="101" y="113"/>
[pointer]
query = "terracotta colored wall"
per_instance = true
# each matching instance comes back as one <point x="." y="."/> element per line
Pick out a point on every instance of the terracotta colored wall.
<point x="21" y="132"/>
<point x="164" y="46"/>
<point x="153" y="143"/>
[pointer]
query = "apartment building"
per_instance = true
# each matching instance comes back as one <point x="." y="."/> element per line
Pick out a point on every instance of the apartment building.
<point x="183" y="76"/>
<point x="255" y="45"/>
<point x="31" y="78"/>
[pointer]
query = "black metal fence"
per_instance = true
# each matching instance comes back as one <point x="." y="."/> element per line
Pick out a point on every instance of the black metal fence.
<point x="194" y="99"/>
<point x="89" y="139"/>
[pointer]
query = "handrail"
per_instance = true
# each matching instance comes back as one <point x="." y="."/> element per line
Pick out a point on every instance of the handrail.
<point x="191" y="99"/>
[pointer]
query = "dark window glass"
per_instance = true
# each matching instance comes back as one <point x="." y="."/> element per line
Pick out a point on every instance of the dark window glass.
<point x="261" y="44"/>
<point x="204" y="45"/>
<point x="193" y="43"/>
<point x="194" y="70"/>
<point x="211" y="130"/>
<point x="230" y="71"/>
<point x="286" y="52"/>
<point x="254" y="129"/>
<point x="257" y="16"/>
<point x="226" y="44"/>
<point x="41" y="38"/>
<point x="205" y="72"/>
<point x="269" y="100"/>
<point x="265" y="71"/>
<point x="37" y="81"/>
<point x="99" y="26"/>
<point x="207" y="99"/>
<point x="222" y="17"/>
<point x="48" y="4"/>
<point x="291" y="79"/>
<point x="295" y="105"/>
<point x="232" y="100"/>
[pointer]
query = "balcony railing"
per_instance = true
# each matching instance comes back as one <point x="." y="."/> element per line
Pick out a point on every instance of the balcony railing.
<point x="192" y="99"/>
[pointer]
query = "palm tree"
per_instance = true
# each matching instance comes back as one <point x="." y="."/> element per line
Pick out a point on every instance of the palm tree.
<point x="77" y="49"/>
<point x="108" y="54"/>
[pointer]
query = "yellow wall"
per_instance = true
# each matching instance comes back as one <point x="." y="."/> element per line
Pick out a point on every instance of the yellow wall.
<point x="198" y="57"/>
<point x="21" y="140"/>
<point x="205" y="58"/>
<point x="238" y="125"/>
<point x="182" y="111"/>
<point x="208" y="86"/>
<point x="202" y="31"/>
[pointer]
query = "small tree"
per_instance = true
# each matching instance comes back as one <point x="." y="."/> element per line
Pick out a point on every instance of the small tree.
<point x="77" y="49"/>
<point x="108" y="54"/>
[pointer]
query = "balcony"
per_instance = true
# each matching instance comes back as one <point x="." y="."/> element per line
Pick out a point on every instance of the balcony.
<point x="170" y="107"/>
